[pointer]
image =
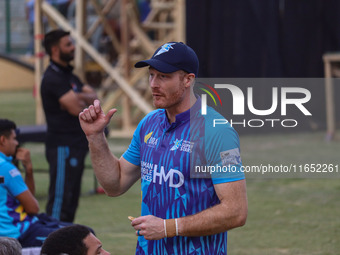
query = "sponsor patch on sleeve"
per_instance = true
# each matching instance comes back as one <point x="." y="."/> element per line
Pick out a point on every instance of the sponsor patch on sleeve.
<point x="230" y="157"/>
<point x="14" y="172"/>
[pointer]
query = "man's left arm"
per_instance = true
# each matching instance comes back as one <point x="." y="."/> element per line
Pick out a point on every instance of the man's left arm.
<point x="88" y="95"/>
<point x="75" y="102"/>
<point x="230" y="213"/>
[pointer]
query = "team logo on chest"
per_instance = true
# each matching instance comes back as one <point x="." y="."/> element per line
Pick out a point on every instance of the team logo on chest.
<point x="182" y="145"/>
<point x="74" y="87"/>
<point x="150" y="141"/>
<point x="177" y="144"/>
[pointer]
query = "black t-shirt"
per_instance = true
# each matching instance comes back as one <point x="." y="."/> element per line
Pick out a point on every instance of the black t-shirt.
<point x="62" y="127"/>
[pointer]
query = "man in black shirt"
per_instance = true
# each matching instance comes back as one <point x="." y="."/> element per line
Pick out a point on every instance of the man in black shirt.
<point x="64" y="96"/>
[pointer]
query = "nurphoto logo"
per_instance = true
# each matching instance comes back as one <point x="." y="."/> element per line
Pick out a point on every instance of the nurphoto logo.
<point x="281" y="97"/>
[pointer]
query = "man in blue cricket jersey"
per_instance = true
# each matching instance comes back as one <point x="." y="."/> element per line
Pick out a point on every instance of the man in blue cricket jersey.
<point x="19" y="209"/>
<point x="181" y="212"/>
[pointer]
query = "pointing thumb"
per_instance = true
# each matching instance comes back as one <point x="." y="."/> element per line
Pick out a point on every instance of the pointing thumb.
<point x="110" y="114"/>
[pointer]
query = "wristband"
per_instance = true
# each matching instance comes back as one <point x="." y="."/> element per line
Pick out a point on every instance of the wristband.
<point x="176" y="227"/>
<point x="165" y="228"/>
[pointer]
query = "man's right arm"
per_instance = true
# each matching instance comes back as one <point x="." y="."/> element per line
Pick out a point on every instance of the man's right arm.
<point x="28" y="202"/>
<point x="115" y="175"/>
<point x="23" y="190"/>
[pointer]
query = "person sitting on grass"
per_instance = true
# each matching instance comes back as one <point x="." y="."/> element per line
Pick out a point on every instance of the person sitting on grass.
<point x="19" y="208"/>
<point x="73" y="240"/>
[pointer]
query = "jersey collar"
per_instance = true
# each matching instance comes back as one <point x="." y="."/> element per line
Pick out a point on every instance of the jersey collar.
<point x="4" y="157"/>
<point x="59" y="68"/>
<point x="183" y="116"/>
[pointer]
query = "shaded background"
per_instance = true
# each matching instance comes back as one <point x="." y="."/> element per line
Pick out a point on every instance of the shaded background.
<point x="267" y="38"/>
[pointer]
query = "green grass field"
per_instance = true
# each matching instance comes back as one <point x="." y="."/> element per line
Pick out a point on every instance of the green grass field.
<point x="286" y="215"/>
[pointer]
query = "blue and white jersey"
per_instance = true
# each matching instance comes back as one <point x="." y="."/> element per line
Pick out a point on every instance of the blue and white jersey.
<point x="13" y="219"/>
<point x="169" y="155"/>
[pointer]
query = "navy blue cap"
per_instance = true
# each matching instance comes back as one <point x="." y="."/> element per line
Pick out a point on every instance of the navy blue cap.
<point x="171" y="57"/>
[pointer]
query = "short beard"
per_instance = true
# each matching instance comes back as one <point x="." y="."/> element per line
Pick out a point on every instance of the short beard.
<point x="66" y="57"/>
<point x="173" y="99"/>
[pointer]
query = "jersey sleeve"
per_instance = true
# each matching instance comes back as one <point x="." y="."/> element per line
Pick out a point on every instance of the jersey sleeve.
<point x="14" y="181"/>
<point x="222" y="149"/>
<point x="132" y="154"/>
<point x="56" y="86"/>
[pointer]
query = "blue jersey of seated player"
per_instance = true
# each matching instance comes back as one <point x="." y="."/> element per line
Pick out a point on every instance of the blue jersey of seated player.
<point x="13" y="219"/>
<point x="169" y="155"/>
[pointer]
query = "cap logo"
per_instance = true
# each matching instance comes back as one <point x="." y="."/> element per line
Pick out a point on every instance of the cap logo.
<point x="165" y="48"/>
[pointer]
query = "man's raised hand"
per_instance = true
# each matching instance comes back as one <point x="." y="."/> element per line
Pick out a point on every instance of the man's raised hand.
<point x="93" y="120"/>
